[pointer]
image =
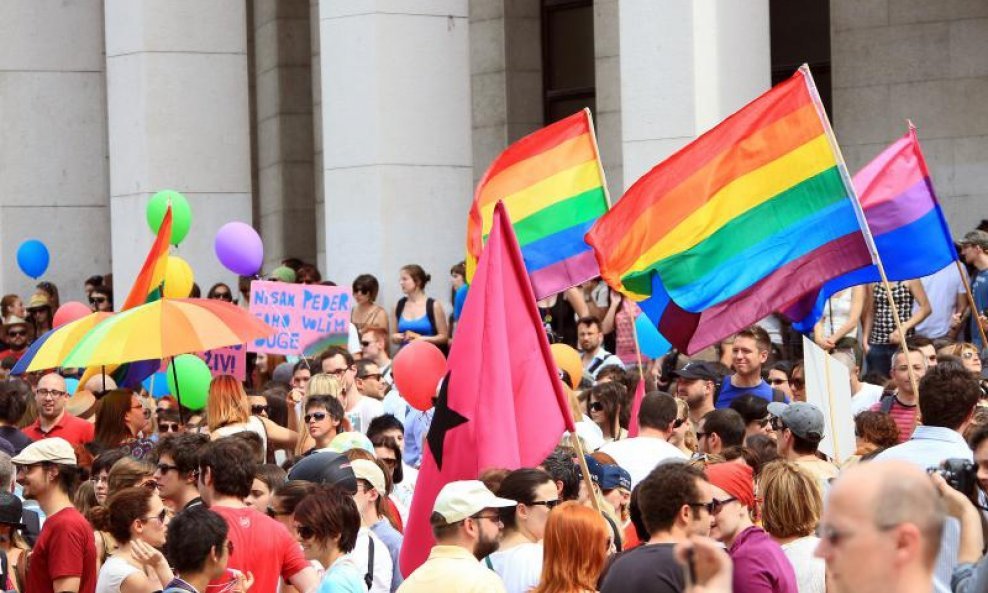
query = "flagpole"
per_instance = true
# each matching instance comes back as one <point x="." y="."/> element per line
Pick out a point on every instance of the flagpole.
<point x="600" y="163"/>
<point x="975" y="314"/>
<point x="859" y="211"/>
<point x="584" y="470"/>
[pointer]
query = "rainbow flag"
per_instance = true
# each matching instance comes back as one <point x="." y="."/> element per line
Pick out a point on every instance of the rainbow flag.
<point x="745" y="220"/>
<point x="147" y="286"/>
<point x="552" y="184"/>
<point x="911" y="234"/>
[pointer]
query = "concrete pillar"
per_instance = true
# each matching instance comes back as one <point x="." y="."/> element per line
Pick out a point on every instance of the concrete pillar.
<point x="319" y="210"/>
<point x="607" y="72"/>
<point x="396" y="128"/>
<point x="283" y="73"/>
<point x="505" y="76"/>
<point x="925" y="61"/>
<point x="685" y="65"/>
<point x="178" y="118"/>
<point x="53" y="174"/>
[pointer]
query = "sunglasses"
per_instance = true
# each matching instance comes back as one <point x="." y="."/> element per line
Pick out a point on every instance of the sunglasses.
<point x="168" y="427"/>
<point x="165" y="468"/>
<point x="776" y="381"/>
<point x="376" y="376"/>
<point x="258" y="409"/>
<point x="17" y="334"/>
<point x="777" y="424"/>
<point x="797" y="383"/>
<point x="390" y="462"/>
<point x="365" y="343"/>
<point x="160" y="517"/>
<point x="306" y="532"/>
<point x="714" y="506"/>
<point x="317" y="416"/>
<point x="596" y="407"/>
<point x="223" y="296"/>
<point x="678" y="422"/>
<point x="97" y="300"/>
<point x="273" y="512"/>
<point x="361" y="290"/>
<point x="549" y="504"/>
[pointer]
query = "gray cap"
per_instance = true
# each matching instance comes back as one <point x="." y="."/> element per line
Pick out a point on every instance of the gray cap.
<point x="803" y="419"/>
<point x="979" y="238"/>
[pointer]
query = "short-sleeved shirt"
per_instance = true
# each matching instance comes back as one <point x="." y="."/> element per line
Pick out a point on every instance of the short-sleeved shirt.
<point x="342" y="576"/>
<point x="903" y="415"/>
<point x="15" y="437"/>
<point x="650" y="568"/>
<point x="728" y="392"/>
<point x="261" y="546"/>
<point x="452" y="568"/>
<point x="65" y="548"/>
<point x="70" y="428"/>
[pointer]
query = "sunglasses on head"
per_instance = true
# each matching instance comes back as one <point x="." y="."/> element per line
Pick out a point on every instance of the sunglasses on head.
<point x="258" y="409"/>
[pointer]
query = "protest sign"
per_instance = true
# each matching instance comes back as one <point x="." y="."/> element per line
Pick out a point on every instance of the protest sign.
<point x="300" y="314"/>
<point x="828" y="387"/>
<point x="231" y="360"/>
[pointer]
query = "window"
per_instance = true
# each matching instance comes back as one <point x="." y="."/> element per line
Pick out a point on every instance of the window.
<point x="567" y="58"/>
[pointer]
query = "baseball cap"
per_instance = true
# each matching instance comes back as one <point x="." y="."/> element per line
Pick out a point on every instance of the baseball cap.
<point x="11" y="510"/>
<point x="365" y="469"/>
<point x="979" y="238"/>
<point x="698" y="369"/>
<point x="804" y="419"/>
<point x="325" y="468"/>
<point x="465" y="498"/>
<point x="608" y="476"/>
<point x="51" y="450"/>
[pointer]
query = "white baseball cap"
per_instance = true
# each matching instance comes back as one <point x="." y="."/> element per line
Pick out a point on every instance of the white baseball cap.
<point x="465" y="498"/>
<point x="366" y="469"/>
<point x="51" y="450"/>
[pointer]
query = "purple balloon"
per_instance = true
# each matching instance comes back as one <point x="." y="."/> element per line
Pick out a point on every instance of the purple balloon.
<point x="239" y="248"/>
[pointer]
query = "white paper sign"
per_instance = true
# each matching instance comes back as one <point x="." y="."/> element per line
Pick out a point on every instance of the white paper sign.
<point x="833" y="397"/>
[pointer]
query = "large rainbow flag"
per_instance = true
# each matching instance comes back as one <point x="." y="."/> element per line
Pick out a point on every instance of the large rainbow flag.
<point x="745" y="220"/>
<point x="911" y="234"/>
<point x="147" y="285"/>
<point x="552" y="184"/>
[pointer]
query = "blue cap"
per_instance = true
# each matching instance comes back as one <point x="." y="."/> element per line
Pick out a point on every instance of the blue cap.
<point x="608" y="476"/>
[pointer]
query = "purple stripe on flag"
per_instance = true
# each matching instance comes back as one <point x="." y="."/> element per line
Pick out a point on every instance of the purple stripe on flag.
<point x="564" y="274"/>
<point x="905" y="208"/>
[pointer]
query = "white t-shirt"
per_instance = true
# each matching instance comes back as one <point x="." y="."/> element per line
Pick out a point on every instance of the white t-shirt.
<point x="941" y="288"/>
<point x="113" y="573"/>
<point x="253" y="424"/>
<point x="520" y="567"/>
<point x="640" y="455"/>
<point x="383" y="565"/>
<point x="810" y="571"/>
<point x="366" y="410"/>
<point x="865" y="398"/>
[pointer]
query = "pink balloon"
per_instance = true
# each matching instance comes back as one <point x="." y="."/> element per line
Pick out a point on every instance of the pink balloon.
<point x="417" y="370"/>
<point x="69" y="312"/>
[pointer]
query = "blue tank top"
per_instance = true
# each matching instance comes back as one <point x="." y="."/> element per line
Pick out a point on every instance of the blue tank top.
<point x="419" y="325"/>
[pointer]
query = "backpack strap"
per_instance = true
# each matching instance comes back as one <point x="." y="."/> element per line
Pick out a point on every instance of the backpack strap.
<point x="369" y="577"/>
<point x="594" y="366"/>
<point x="399" y="308"/>
<point x="430" y="313"/>
<point x="887" y="401"/>
<point x="487" y="561"/>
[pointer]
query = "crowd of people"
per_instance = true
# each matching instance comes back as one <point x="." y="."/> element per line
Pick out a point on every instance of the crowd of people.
<point x="301" y="477"/>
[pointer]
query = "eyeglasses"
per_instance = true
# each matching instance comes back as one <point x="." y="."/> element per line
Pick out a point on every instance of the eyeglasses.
<point x="17" y="334"/>
<point x="596" y="407"/>
<point x="160" y="517"/>
<point x="797" y="383"/>
<point x="491" y="518"/>
<point x="103" y="479"/>
<point x="375" y="376"/>
<point x="165" y="468"/>
<point x="306" y="532"/>
<point x="46" y="393"/>
<point x="169" y="427"/>
<point x="776" y="381"/>
<point x="968" y="355"/>
<point x="391" y="462"/>
<point x="98" y="300"/>
<point x="549" y="504"/>
<point x="338" y="372"/>
<point x="317" y="416"/>
<point x="258" y="409"/>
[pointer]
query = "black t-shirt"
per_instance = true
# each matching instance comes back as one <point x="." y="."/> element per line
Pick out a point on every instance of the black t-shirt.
<point x="649" y="568"/>
<point x="15" y="437"/>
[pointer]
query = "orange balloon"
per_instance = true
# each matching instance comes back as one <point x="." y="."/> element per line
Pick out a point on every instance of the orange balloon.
<point x="568" y="359"/>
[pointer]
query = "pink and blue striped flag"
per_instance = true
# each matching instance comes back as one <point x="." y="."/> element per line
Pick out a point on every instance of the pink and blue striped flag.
<point x="911" y="235"/>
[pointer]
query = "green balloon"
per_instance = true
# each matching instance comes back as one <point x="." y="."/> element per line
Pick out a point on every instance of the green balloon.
<point x="181" y="213"/>
<point x="194" y="378"/>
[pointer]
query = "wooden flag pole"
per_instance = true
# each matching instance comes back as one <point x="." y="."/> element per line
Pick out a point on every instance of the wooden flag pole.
<point x="584" y="470"/>
<point x="975" y="314"/>
<point x="859" y="211"/>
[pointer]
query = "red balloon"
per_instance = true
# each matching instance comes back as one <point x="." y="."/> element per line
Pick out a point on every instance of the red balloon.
<point x="417" y="370"/>
<point x="70" y="312"/>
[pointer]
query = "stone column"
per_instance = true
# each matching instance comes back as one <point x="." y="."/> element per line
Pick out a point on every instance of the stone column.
<point x="685" y="66"/>
<point x="396" y="139"/>
<point x="53" y="174"/>
<point x="286" y="185"/>
<point x="178" y="118"/>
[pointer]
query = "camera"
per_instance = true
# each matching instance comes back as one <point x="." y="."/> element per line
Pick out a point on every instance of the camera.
<point x="960" y="474"/>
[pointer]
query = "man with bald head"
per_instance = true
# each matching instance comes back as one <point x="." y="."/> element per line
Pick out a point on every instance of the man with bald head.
<point x="51" y="395"/>
<point x="880" y="529"/>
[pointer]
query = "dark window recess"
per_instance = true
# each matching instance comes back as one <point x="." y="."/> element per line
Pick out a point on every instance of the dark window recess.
<point x="567" y="58"/>
<point x="800" y="33"/>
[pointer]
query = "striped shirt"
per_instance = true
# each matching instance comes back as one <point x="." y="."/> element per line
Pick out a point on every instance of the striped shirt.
<point x="903" y="415"/>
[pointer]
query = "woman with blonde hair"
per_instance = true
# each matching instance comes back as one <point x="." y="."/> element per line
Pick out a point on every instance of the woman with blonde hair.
<point x="576" y="544"/>
<point x="968" y="355"/>
<point x="228" y="412"/>
<point x="683" y="433"/>
<point x="791" y="508"/>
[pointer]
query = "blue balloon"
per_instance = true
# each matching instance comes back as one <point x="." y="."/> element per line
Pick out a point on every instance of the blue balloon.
<point x="32" y="258"/>
<point x="157" y="385"/>
<point x="650" y="341"/>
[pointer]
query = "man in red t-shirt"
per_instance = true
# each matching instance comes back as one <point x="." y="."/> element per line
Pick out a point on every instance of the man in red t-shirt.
<point x="53" y="420"/>
<point x="64" y="557"/>
<point x="261" y="545"/>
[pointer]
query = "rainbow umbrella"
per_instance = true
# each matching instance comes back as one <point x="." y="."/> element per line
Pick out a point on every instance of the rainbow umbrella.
<point x="51" y="348"/>
<point x="166" y="328"/>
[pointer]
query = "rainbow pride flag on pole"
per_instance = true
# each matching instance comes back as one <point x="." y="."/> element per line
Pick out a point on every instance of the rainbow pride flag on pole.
<point x="911" y="234"/>
<point x="743" y="221"/>
<point x="552" y="184"/>
<point x="147" y="285"/>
